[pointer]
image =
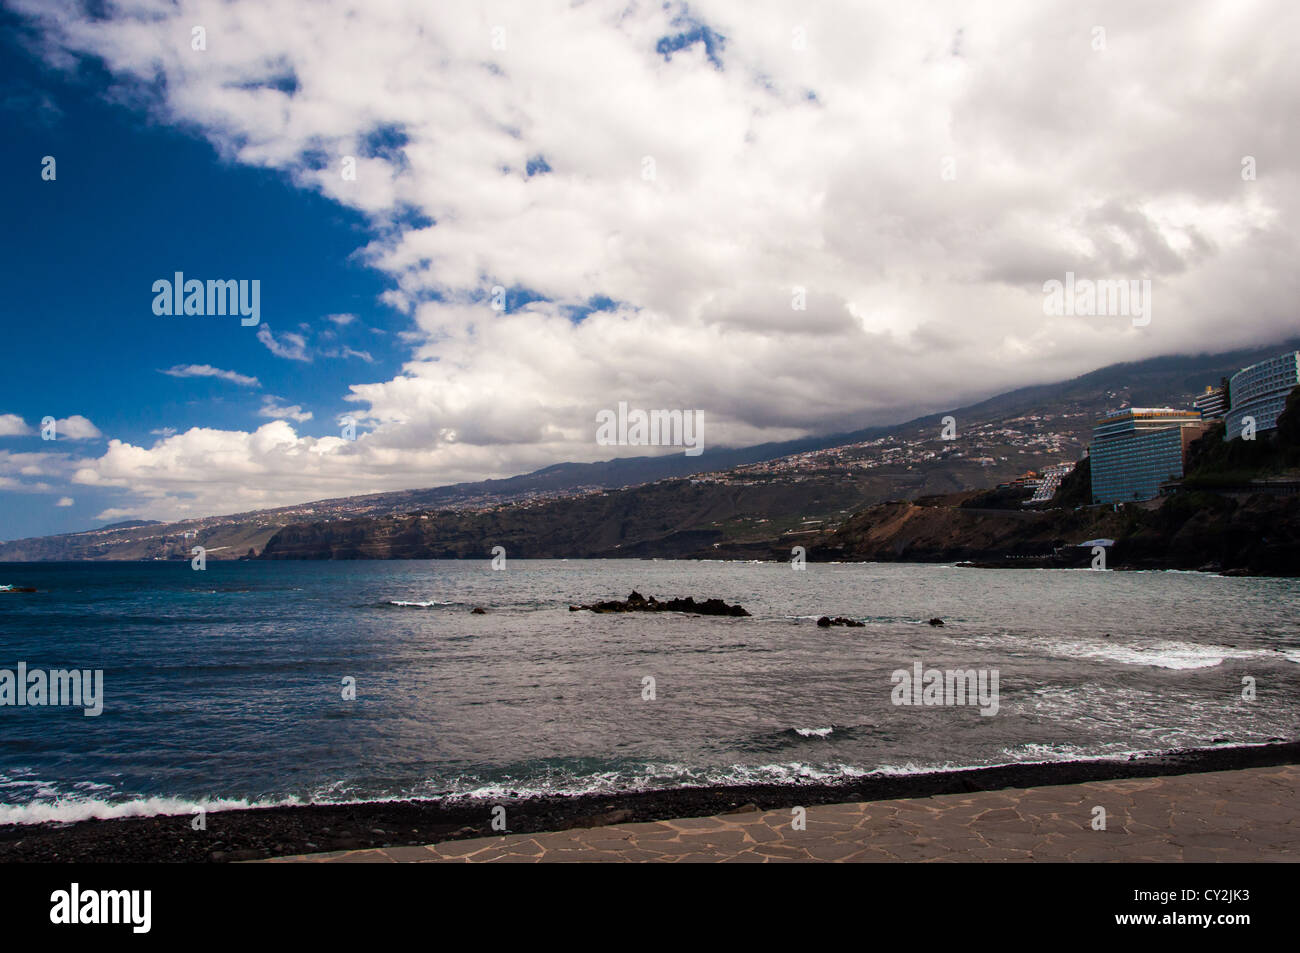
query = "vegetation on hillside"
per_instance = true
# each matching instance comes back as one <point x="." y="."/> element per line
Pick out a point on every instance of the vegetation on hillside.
<point x="1213" y="461"/>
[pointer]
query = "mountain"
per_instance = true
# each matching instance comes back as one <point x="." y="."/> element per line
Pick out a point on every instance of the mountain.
<point x="674" y="504"/>
<point x="1237" y="510"/>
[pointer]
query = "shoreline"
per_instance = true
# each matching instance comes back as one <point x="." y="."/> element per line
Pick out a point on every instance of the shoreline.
<point x="263" y="832"/>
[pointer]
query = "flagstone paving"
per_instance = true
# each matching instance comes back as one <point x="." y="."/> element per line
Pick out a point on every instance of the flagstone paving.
<point x="1247" y="815"/>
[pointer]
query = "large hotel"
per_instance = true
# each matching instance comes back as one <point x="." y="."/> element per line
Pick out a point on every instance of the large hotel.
<point x="1260" y="392"/>
<point x="1136" y="449"/>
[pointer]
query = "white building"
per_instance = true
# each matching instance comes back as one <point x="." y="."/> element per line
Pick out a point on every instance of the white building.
<point x="1260" y="392"/>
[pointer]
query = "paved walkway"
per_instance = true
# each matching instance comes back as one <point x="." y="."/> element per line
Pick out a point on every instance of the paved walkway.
<point x="1250" y="815"/>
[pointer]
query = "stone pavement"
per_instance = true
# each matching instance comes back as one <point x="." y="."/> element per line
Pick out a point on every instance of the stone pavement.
<point x="1247" y="815"/>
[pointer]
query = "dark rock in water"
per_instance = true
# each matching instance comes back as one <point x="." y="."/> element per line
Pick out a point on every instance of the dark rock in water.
<point x="478" y="610"/>
<point x="825" y="622"/>
<point x="17" y="589"/>
<point x="936" y="621"/>
<point x="639" y="603"/>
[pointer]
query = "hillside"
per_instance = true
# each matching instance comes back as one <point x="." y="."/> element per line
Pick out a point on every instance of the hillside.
<point x="1233" y="513"/>
<point x="725" y="496"/>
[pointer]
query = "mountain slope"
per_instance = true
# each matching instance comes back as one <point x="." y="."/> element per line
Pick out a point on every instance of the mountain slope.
<point x="997" y="438"/>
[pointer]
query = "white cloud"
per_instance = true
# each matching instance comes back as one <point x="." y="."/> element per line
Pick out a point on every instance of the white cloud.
<point x="65" y="501"/>
<point x="271" y="407"/>
<point x="207" y="370"/>
<point x="11" y="425"/>
<point x="345" y="352"/>
<point x="817" y="167"/>
<point x="341" y="319"/>
<point x="116" y="514"/>
<point x="76" y="427"/>
<point x="289" y="344"/>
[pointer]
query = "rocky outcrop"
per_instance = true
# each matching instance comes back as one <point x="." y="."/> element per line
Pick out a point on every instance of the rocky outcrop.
<point x="639" y="603"/>
<point x="1257" y="535"/>
<point x="825" y="622"/>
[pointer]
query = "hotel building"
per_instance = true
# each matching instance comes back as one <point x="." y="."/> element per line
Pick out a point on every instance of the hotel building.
<point x="1213" y="404"/>
<point x="1136" y="449"/>
<point x="1260" y="391"/>
<point x="1050" y="483"/>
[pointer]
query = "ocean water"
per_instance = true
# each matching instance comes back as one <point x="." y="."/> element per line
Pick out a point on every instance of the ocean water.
<point x="225" y="687"/>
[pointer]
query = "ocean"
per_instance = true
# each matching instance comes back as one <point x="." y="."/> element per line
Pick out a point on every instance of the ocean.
<point x="225" y="687"/>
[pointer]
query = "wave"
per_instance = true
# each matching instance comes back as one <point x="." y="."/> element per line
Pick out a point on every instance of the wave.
<point x="413" y="604"/>
<point x="1166" y="654"/>
<point x="800" y="737"/>
<point x="815" y="732"/>
<point x="650" y="776"/>
<point x="70" y="810"/>
<point x="1156" y="653"/>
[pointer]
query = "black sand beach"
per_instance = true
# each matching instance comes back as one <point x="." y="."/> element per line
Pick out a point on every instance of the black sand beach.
<point x="280" y="831"/>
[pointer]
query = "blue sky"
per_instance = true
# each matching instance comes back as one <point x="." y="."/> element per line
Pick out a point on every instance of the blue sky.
<point x="134" y="201"/>
<point x="790" y="221"/>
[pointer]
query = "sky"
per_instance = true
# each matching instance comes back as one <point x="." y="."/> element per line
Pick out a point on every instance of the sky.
<point x="792" y="219"/>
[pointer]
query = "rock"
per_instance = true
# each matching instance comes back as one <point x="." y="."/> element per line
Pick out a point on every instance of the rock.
<point x="936" y="621"/>
<point x="749" y="808"/>
<point x="639" y="603"/>
<point x="478" y="610"/>
<point x="825" y="622"/>
<point x="240" y="855"/>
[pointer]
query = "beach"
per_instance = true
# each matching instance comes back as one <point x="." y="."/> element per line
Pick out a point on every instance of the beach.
<point x="265" y="833"/>
<point x="1247" y="815"/>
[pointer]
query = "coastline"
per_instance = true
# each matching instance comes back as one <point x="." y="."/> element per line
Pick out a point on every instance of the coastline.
<point x="265" y="832"/>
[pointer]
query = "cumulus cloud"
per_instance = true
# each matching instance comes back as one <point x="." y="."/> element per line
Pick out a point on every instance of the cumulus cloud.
<point x="11" y="425"/>
<point x="795" y="220"/>
<point x="65" y="501"/>
<point x="38" y="472"/>
<point x="207" y="370"/>
<point x="76" y="427"/>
